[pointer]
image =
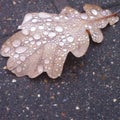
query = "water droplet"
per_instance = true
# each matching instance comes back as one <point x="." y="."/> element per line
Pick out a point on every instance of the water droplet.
<point x="61" y="43"/>
<point x="38" y="43"/>
<point x="18" y="69"/>
<point x="105" y="12"/>
<point x="21" y="49"/>
<point x="22" y="58"/>
<point x="64" y="50"/>
<point x="84" y="16"/>
<point x="49" y="20"/>
<point x="33" y="29"/>
<point x="57" y="18"/>
<point x="66" y="18"/>
<point x="46" y="61"/>
<point x="16" y="43"/>
<point x="34" y="20"/>
<point x="45" y="33"/>
<point x="51" y="34"/>
<point x="59" y="58"/>
<point x="32" y="42"/>
<point x="64" y="40"/>
<point x="25" y="31"/>
<point x="44" y="42"/>
<point x="43" y="15"/>
<point x="18" y="62"/>
<point x="70" y="39"/>
<point x="26" y="41"/>
<point x="40" y="69"/>
<point x="7" y="49"/>
<point x="30" y="39"/>
<point x="36" y="36"/>
<point x="94" y="12"/>
<point x="59" y="29"/>
<point x="16" y="56"/>
<point x="41" y="27"/>
<point x="48" y="23"/>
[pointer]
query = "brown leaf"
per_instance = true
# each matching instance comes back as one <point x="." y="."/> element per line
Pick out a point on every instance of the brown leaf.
<point x="45" y="39"/>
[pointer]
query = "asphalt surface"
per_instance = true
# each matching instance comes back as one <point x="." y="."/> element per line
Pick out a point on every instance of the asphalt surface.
<point x="89" y="87"/>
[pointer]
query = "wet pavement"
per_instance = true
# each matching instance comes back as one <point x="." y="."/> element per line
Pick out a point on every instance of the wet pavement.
<point x="89" y="87"/>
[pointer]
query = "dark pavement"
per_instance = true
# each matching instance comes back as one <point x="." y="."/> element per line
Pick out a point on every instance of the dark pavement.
<point x="89" y="87"/>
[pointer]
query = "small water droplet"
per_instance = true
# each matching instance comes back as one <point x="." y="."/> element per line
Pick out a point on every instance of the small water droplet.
<point x="40" y="69"/>
<point x="84" y="16"/>
<point x="57" y="18"/>
<point x="59" y="29"/>
<point x="41" y="27"/>
<point x="34" y="20"/>
<point x="43" y="15"/>
<point x="51" y="34"/>
<point x="94" y="12"/>
<point x="16" y="56"/>
<point x="33" y="29"/>
<point x="36" y="36"/>
<point x="70" y="39"/>
<point x="18" y="69"/>
<point x="21" y="49"/>
<point x="61" y="43"/>
<point x="25" y="32"/>
<point x="38" y="43"/>
<point x="46" y="61"/>
<point x="16" y="43"/>
<point x="7" y="49"/>
<point x="22" y="58"/>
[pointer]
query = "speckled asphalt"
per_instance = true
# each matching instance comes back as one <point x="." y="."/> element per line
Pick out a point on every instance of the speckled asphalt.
<point x="89" y="88"/>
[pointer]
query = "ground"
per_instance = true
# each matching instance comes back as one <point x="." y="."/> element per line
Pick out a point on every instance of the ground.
<point x="89" y="87"/>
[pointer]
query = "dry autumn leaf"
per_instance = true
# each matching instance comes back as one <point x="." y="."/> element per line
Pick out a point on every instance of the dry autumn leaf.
<point x="45" y="39"/>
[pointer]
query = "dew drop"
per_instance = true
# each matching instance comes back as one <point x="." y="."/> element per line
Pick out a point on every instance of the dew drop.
<point x="40" y="69"/>
<point x="64" y="50"/>
<point x="38" y="43"/>
<point x="22" y="58"/>
<point x="20" y="49"/>
<point x="49" y="20"/>
<point x="94" y="12"/>
<point x="46" y="61"/>
<point x="26" y="41"/>
<point x="45" y="33"/>
<point x="7" y="49"/>
<point x="48" y="23"/>
<point x="61" y="43"/>
<point x="36" y="36"/>
<point x="32" y="29"/>
<point x="16" y="43"/>
<point x="44" y="42"/>
<point x="51" y="34"/>
<point x="59" y="29"/>
<point x="16" y="56"/>
<point x="41" y="27"/>
<point x="84" y="16"/>
<point x="25" y="32"/>
<point x="64" y="40"/>
<point x="57" y="18"/>
<point x="18" y="62"/>
<point x="34" y="20"/>
<point x="43" y="15"/>
<point x="30" y="39"/>
<point x="70" y="39"/>
<point x="32" y="42"/>
<point x="19" y="69"/>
